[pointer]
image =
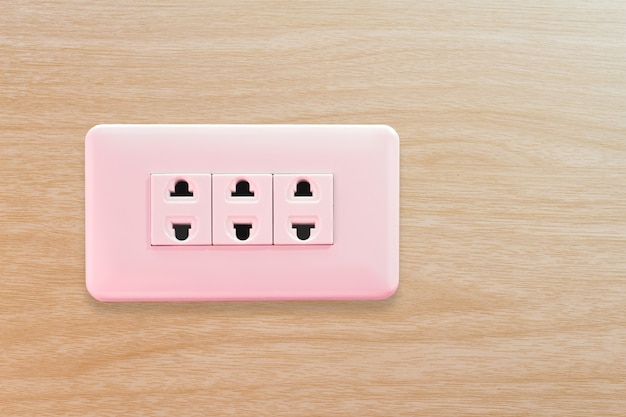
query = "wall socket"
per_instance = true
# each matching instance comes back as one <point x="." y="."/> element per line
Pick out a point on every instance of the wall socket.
<point x="180" y="209"/>
<point x="241" y="212"/>
<point x="241" y="209"/>
<point x="303" y="209"/>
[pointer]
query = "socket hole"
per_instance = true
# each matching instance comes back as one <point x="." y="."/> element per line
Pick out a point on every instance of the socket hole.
<point x="242" y="189"/>
<point x="181" y="189"/>
<point x="242" y="231"/>
<point x="303" y="189"/>
<point x="303" y="231"/>
<point x="181" y="231"/>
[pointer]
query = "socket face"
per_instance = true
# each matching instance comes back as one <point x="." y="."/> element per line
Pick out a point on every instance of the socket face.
<point x="242" y="209"/>
<point x="303" y="209"/>
<point x="167" y="216"/>
<point x="179" y="205"/>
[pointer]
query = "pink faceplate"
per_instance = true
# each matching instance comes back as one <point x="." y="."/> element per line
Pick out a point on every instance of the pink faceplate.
<point x="122" y="264"/>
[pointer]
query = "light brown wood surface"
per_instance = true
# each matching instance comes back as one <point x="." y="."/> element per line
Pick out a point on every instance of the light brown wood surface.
<point x="512" y="118"/>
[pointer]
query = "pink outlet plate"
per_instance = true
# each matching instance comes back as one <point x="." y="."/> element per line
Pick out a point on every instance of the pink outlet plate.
<point x="166" y="221"/>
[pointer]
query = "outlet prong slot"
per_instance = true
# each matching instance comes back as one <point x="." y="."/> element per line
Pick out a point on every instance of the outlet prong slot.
<point x="181" y="189"/>
<point x="181" y="230"/>
<point x="303" y="231"/>
<point x="303" y="189"/>
<point x="242" y="189"/>
<point x="242" y="230"/>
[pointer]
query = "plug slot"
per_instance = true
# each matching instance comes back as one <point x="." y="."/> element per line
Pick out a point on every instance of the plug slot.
<point x="303" y="189"/>
<point x="242" y="189"/>
<point x="181" y="230"/>
<point x="242" y="230"/>
<point x="181" y="189"/>
<point x="303" y="231"/>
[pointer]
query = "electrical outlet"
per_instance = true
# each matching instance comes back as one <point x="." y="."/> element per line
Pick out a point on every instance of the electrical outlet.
<point x="169" y="216"/>
<point x="180" y="209"/>
<point x="242" y="209"/>
<point x="303" y="209"/>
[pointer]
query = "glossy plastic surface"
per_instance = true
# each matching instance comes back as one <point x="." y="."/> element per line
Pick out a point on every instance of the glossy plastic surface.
<point x="122" y="264"/>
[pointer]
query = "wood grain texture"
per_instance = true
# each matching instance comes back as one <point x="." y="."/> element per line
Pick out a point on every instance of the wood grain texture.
<point x="513" y="242"/>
